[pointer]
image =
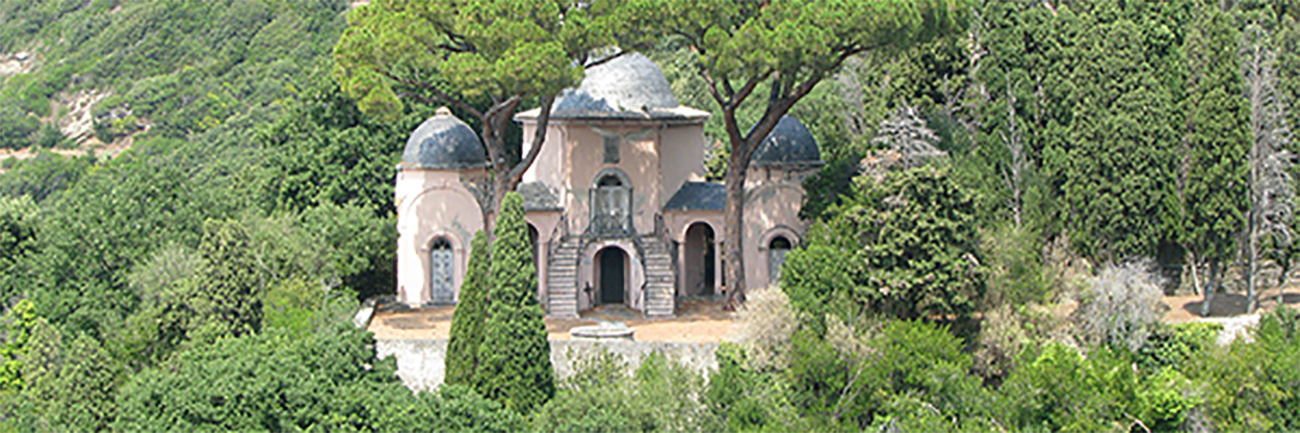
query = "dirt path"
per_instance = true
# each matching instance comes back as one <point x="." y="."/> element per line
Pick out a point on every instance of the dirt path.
<point x="696" y="321"/>
<point x="1188" y="307"/>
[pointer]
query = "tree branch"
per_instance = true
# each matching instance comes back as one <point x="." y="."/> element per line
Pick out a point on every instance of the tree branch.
<point x="441" y="95"/>
<point x="539" y="137"/>
<point x="713" y="89"/>
<point x="492" y="129"/>
<point x="602" y="61"/>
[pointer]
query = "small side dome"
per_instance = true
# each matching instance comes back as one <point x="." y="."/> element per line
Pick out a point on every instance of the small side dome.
<point x="443" y="142"/>
<point x="789" y="143"/>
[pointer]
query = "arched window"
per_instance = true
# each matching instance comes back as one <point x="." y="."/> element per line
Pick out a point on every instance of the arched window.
<point x="776" y="251"/>
<point x="612" y="206"/>
<point x="441" y="272"/>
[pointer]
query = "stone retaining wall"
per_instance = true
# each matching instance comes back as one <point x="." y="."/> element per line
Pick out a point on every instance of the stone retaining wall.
<point x="420" y="362"/>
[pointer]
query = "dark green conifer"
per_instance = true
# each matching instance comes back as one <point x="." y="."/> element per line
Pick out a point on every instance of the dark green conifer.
<point x="515" y="358"/>
<point x="1118" y="167"/>
<point x="1217" y="140"/>
<point x="471" y="312"/>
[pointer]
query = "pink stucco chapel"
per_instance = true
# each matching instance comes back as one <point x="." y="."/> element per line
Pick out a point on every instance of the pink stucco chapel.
<point x="617" y="203"/>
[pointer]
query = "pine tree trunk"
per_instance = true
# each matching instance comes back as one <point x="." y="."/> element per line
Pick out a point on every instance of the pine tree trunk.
<point x="734" y="223"/>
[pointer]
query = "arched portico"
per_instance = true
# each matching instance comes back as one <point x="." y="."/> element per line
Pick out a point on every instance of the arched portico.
<point x="597" y="260"/>
<point x="699" y="257"/>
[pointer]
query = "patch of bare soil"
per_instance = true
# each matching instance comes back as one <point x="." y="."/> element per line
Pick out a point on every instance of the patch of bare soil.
<point x="696" y="321"/>
<point x="1187" y="308"/>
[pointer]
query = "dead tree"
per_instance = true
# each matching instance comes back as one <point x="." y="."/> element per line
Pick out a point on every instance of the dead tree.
<point x="1271" y="191"/>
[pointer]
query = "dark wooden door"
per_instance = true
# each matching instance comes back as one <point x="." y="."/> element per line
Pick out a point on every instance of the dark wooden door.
<point x="611" y="277"/>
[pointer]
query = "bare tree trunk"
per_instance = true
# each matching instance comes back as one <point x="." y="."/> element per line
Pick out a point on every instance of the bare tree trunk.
<point x="1252" y="270"/>
<point x="1016" y="165"/>
<point x="1196" y="280"/>
<point x="1209" y="288"/>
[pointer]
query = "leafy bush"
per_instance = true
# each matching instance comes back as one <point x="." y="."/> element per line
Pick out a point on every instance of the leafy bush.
<point x="44" y="175"/>
<point x="749" y="400"/>
<point x="660" y="395"/>
<point x="275" y="381"/>
<point x="16" y="127"/>
<point x="1062" y="390"/>
<point x="1178" y="345"/>
<point x="1252" y="386"/>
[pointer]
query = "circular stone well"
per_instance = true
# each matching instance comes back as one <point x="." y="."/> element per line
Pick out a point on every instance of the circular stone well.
<point x="602" y="331"/>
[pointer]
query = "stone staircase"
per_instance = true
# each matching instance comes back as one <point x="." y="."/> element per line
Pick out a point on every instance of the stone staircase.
<point x="562" y="281"/>
<point x="660" y="278"/>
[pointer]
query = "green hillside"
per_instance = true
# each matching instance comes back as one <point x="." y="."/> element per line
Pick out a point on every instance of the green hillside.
<point x="177" y="67"/>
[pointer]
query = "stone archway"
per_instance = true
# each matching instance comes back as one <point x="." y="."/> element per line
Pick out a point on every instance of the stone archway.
<point x="700" y="258"/>
<point x="611" y="276"/>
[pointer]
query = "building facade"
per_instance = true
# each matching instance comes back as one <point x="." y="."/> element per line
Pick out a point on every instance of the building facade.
<point x="617" y="203"/>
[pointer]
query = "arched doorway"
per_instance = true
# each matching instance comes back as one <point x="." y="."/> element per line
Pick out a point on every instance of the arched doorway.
<point x="441" y="270"/>
<point x="611" y="205"/>
<point x="532" y="242"/>
<point x="776" y="251"/>
<point x="701" y="258"/>
<point x="611" y="276"/>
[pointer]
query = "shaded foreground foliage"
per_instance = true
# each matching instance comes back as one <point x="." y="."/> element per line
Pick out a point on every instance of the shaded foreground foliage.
<point x="203" y="278"/>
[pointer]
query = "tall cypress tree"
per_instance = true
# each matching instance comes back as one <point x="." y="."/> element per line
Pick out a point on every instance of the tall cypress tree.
<point x="515" y="358"/>
<point x="471" y="312"/>
<point x="1213" y="172"/>
<point x="1118" y="173"/>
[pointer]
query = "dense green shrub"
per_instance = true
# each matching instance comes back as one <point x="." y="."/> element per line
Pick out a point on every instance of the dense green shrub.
<point x="1252" y="386"/>
<point x="749" y="400"/>
<point x="1064" y="390"/>
<point x="660" y="395"/>
<point x="329" y="380"/>
<point x="1179" y="346"/>
<point x="16" y="127"/>
<point x="44" y="175"/>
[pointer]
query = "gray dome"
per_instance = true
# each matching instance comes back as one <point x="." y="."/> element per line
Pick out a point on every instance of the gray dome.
<point x="789" y="143"/>
<point x="630" y="85"/>
<point x="443" y="142"/>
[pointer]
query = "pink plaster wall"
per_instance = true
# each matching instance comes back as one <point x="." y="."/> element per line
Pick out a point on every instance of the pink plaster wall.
<point x="683" y="156"/>
<point x="432" y="204"/>
<point x="772" y="203"/>
<point x="573" y="156"/>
